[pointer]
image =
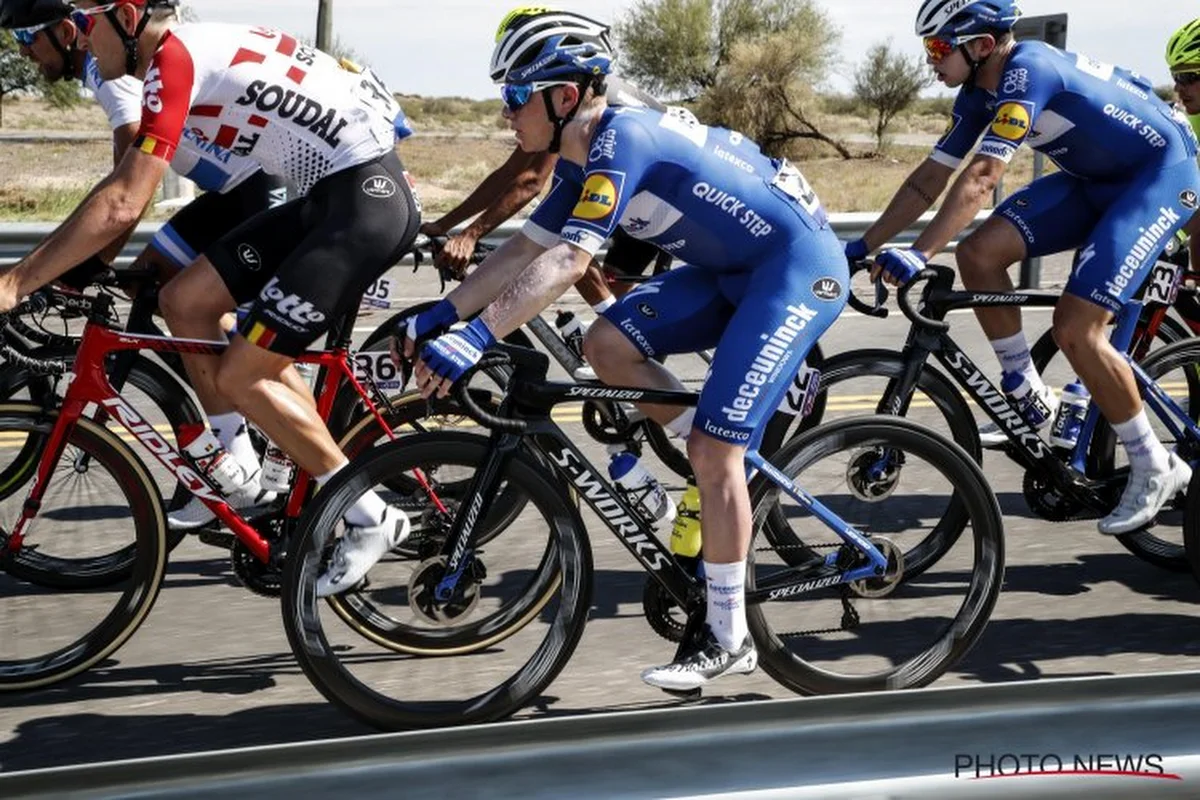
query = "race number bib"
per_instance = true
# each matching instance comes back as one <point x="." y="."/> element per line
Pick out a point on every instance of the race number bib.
<point x="379" y="294"/>
<point x="1163" y="285"/>
<point x="377" y="365"/>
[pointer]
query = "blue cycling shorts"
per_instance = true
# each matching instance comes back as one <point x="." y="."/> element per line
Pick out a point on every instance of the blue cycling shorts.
<point x="762" y="323"/>
<point x="1120" y="228"/>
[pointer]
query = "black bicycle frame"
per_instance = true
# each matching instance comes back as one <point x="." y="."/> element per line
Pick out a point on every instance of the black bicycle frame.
<point x="527" y="406"/>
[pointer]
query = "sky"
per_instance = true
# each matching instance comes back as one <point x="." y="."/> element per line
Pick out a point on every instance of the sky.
<point x="442" y="47"/>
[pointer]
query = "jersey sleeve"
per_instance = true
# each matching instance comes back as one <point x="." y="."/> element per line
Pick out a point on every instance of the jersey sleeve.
<point x="968" y="119"/>
<point x="166" y="99"/>
<point x="121" y="100"/>
<point x="547" y="220"/>
<point x="1026" y="86"/>
<point x="620" y="153"/>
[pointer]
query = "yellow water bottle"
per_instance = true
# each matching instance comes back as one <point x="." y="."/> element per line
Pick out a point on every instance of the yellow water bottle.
<point x="685" y="533"/>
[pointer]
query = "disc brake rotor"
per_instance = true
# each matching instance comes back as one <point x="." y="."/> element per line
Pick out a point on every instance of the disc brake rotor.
<point x="422" y="598"/>
<point x="874" y="473"/>
<point x="882" y="585"/>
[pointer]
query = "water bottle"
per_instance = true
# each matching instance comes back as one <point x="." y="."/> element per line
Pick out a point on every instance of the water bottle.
<point x="571" y="329"/>
<point x="644" y="492"/>
<point x="206" y="452"/>
<point x="1016" y="386"/>
<point x="1072" y="407"/>
<point x="685" y="533"/>
<point x="308" y="373"/>
<point x="277" y="467"/>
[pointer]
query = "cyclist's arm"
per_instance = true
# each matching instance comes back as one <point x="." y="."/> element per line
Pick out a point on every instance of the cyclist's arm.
<point x="123" y="136"/>
<point x="502" y="265"/>
<point x="967" y="196"/>
<point x="502" y="194"/>
<point x="539" y="285"/>
<point x="915" y="196"/>
<point x="108" y="211"/>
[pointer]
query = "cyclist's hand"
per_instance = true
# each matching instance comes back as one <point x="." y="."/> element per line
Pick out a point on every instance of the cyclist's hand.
<point x="899" y="266"/>
<point x="414" y="329"/>
<point x="456" y="255"/>
<point x="432" y="229"/>
<point x="856" y="251"/>
<point x="448" y="357"/>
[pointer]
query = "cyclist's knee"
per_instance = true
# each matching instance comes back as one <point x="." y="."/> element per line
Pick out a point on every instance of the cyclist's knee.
<point x="1078" y="326"/>
<point x="712" y="458"/>
<point x="604" y="345"/>
<point x="974" y="260"/>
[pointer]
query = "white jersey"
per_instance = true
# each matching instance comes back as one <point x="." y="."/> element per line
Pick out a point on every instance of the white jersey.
<point x="209" y="167"/>
<point x="261" y="94"/>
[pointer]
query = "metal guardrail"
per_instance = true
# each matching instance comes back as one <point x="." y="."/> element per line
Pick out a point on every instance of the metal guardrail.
<point x="883" y="745"/>
<point x="18" y="238"/>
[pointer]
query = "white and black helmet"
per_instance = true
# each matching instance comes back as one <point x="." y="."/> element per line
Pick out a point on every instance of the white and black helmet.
<point x="951" y="18"/>
<point x="565" y="41"/>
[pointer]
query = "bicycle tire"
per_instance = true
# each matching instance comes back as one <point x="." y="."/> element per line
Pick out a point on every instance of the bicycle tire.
<point x="971" y="489"/>
<point x="1145" y="544"/>
<point x="321" y="662"/>
<point x="172" y="401"/>
<point x="947" y="400"/>
<point x="145" y="576"/>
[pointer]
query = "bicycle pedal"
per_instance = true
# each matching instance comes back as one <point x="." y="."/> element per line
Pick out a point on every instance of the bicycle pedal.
<point x="216" y="538"/>
<point x="684" y="694"/>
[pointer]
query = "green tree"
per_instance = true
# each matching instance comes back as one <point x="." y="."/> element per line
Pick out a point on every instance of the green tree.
<point x="887" y="82"/>
<point x="60" y="94"/>
<point x="17" y="73"/>
<point x="747" y="64"/>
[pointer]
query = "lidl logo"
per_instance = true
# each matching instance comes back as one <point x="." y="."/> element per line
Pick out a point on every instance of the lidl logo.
<point x="598" y="198"/>
<point x="1011" y="122"/>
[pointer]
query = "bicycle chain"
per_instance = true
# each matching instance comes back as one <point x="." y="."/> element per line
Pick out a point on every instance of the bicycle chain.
<point x="850" y="617"/>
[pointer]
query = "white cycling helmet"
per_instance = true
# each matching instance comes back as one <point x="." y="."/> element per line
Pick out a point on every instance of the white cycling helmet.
<point x="952" y="18"/>
<point x="535" y="43"/>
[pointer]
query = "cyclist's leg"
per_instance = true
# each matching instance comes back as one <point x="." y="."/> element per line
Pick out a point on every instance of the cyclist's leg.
<point x="1139" y="220"/>
<point x="679" y="312"/>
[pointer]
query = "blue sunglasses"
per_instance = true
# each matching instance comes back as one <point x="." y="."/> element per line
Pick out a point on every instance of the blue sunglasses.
<point x="516" y="95"/>
<point x="27" y="36"/>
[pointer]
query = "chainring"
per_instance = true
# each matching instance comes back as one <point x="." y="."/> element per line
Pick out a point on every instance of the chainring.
<point x="606" y="431"/>
<point x="262" y="579"/>
<point x="665" y="616"/>
<point x="883" y="585"/>
<point x="1045" y="499"/>
<point x="423" y="585"/>
<point x="874" y="474"/>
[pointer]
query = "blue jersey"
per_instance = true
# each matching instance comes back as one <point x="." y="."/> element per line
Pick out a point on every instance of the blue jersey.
<point x="706" y="195"/>
<point x="1094" y="120"/>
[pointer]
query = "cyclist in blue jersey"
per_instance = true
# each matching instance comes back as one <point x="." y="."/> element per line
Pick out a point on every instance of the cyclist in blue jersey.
<point x="1183" y="59"/>
<point x="764" y="275"/>
<point x="1128" y="181"/>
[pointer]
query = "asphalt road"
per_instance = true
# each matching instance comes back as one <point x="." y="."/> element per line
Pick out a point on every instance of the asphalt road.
<point x="211" y="667"/>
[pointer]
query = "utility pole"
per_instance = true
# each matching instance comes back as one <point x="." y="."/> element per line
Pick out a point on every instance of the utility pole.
<point x="325" y="25"/>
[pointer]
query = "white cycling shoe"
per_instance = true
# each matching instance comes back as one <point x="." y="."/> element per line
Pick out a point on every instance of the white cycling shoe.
<point x="1145" y="495"/>
<point x="196" y="515"/>
<point x="359" y="549"/>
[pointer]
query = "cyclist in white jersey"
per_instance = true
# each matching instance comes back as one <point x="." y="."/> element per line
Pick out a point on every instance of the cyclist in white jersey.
<point x="331" y="132"/>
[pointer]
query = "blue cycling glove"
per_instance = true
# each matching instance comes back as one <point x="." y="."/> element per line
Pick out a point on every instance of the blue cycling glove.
<point x="427" y="324"/>
<point x="856" y="251"/>
<point x="452" y="354"/>
<point x="902" y="265"/>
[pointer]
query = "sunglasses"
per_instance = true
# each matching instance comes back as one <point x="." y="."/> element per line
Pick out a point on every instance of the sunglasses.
<point x="938" y="48"/>
<point x="1186" y="78"/>
<point x="26" y="36"/>
<point x="517" y="95"/>
<point x="85" y="18"/>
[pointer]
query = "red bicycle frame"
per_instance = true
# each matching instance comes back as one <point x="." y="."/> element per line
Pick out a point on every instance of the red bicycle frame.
<point x="91" y="385"/>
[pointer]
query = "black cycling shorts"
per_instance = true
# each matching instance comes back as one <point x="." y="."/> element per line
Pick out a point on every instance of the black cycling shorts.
<point x="309" y="261"/>
<point x="630" y="256"/>
<point x="196" y="226"/>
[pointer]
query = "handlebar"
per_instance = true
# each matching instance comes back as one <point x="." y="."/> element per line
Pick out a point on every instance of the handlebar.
<point x="462" y="394"/>
<point x="433" y="245"/>
<point x="906" y="305"/>
<point x="881" y="293"/>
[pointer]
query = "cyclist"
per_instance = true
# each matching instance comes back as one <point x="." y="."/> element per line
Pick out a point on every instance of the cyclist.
<point x="524" y="174"/>
<point x="236" y="188"/>
<point x="1128" y="182"/>
<point x="1183" y="59"/>
<point x="299" y="114"/>
<point x="765" y="276"/>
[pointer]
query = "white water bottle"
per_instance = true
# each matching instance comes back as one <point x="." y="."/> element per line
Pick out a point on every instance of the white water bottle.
<point x="1068" y="422"/>
<point x="645" y="492"/>
<point x="206" y="452"/>
<point x="571" y="328"/>
<point x="277" y="467"/>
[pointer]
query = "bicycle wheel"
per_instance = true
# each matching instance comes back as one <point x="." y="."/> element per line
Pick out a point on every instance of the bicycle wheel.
<point x="491" y="649"/>
<point x="55" y="622"/>
<point x="410" y="413"/>
<point x="1176" y="369"/>
<point x="855" y="382"/>
<point x="893" y="632"/>
<point x="157" y="394"/>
